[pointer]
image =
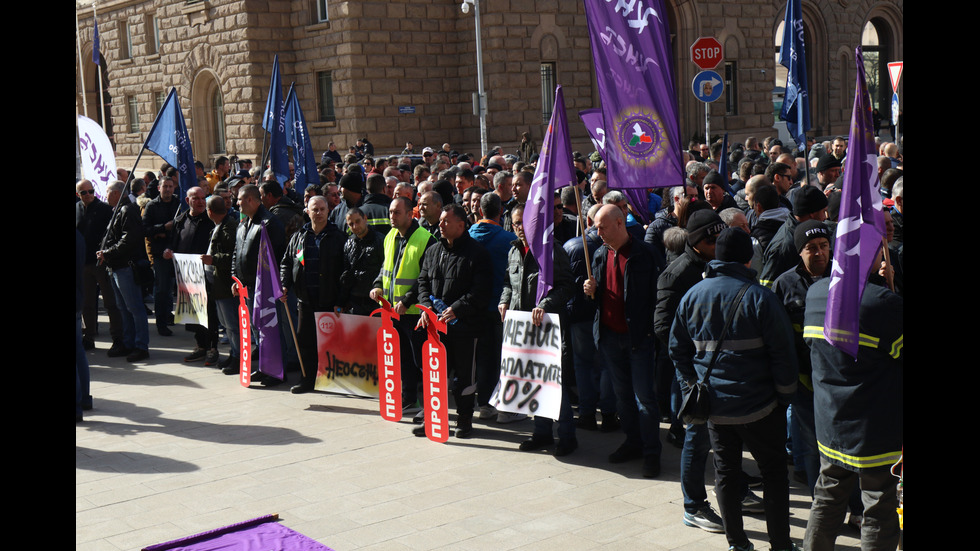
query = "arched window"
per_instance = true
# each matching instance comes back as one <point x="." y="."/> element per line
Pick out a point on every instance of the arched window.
<point x="208" y="117"/>
<point x="218" y="120"/>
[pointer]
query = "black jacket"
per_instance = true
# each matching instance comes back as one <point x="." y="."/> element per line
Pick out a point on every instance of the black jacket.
<point x="222" y="250"/>
<point x="363" y="259"/>
<point x="124" y="242"/>
<point x="462" y="276"/>
<point x="579" y="307"/>
<point x="155" y="217"/>
<point x="293" y="273"/>
<point x="191" y="234"/>
<point x="246" y="258"/>
<point x="682" y="274"/>
<point x="640" y="281"/>
<point x="92" y="222"/>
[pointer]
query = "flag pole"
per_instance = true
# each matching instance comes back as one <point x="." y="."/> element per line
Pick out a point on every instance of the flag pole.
<point x="125" y="191"/>
<point x="889" y="273"/>
<point x="81" y="63"/>
<point x="292" y="331"/>
<point x="98" y="72"/>
<point x="585" y="243"/>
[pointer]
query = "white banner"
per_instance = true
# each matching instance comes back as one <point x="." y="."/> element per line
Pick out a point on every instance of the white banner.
<point x="192" y="297"/>
<point x="530" y="366"/>
<point x="98" y="159"/>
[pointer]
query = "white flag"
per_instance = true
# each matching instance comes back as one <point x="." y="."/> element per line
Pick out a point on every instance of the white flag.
<point x="98" y="159"/>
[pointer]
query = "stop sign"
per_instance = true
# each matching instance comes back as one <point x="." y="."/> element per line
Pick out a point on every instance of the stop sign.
<point x="706" y="52"/>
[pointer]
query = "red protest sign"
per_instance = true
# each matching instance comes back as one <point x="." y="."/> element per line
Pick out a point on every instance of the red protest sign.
<point x="436" y="413"/>
<point x="245" y="328"/>
<point x="389" y="364"/>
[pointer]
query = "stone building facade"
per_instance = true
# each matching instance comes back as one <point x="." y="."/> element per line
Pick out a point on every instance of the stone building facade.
<point x="397" y="70"/>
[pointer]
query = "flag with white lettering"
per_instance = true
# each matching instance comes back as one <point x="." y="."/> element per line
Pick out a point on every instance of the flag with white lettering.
<point x="168" y="138"/>
<point x="267" y="294"/>
<point x="553" y="172"/>
<point x="530" y="366"/>
<point x="98" y="159"/>
<point x="861" y="226"/>
<point x="298" y="138"/>
<point x="274" y="122"/>
<point x="632" y="56"/>
<point x="792" y="55"/>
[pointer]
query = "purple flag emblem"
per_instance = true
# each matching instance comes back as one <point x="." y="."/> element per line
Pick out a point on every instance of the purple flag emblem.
<point x="592" y="118"/>
<point x="631" y="53"/>
<point x="267" y="293"/>
<point x="861" y="227"/>
<point x="555" y="170"/>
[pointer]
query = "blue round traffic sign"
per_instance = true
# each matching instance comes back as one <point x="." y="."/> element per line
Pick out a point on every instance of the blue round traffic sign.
<point x="708" y="86"/>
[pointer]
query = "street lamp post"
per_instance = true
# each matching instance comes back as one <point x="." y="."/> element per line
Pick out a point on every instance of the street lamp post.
<point x="480" y="99"/>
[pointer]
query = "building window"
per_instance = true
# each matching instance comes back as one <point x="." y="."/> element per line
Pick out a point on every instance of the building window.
<point x="731" y="88"/>
<point x="158" y="100"/>
<point x="125" y="41"/>
<point x="324" y="81"/>
<point x="132" y="108"/>
<point x="153" y="34"/>
<point x="547" y="90"/>
<point x="321" y="11"/>
<point x="218" y="112"/>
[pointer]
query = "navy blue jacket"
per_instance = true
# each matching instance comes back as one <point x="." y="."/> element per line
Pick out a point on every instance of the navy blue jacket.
<point x="756" y="366"/>
<point x="858" y="404"/>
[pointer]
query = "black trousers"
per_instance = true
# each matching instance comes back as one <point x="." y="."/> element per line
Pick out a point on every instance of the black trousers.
<point x="766" y="440"/>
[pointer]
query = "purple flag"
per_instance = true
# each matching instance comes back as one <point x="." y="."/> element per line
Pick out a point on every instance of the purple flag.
<point x="861" y="227"/>
<point x="259" y="533"/>
<point x="592" y="118"/>
<point x="631" y="53"/>
<point x="267" y="293"/>
<point x="555" y="170"/>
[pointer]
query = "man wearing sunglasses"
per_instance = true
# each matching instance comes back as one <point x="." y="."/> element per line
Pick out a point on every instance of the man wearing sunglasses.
<point x="91" y="219"/>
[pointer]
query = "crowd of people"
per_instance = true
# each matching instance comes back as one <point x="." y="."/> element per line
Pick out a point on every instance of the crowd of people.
<point x="724" y="285"/>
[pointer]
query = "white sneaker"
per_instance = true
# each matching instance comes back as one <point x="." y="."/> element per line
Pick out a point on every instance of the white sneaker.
<point x="506" y="417"/>
<point x="487" y="412"/>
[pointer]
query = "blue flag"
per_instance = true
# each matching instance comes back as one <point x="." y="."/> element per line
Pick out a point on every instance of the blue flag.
<point x="554" y="171"/>
<point x="274" y="122"/>
<point x="792" y="55"/>
<point x="299" y="139"/>
<point x="861" y="227"/>
<point x="632" y="56"/>
<point x="95" y="43"/>
<point x="723" y="167"/>
<point x="168" y="138"/>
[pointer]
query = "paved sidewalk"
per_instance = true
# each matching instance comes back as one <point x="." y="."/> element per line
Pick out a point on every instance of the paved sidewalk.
<point x="172" y="449"/>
